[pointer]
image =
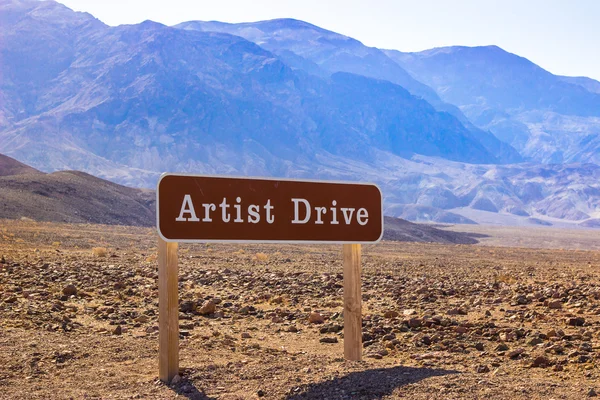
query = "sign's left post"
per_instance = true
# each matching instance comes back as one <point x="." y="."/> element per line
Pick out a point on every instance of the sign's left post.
<point x="168" y="310"/>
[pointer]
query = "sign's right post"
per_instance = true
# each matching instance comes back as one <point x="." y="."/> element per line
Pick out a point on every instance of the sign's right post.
<point x="352" y="303"/>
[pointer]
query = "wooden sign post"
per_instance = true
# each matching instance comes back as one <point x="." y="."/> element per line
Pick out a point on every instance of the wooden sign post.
<point x="198" y="209"/>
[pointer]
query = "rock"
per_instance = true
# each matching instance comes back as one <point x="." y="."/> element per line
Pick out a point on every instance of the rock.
<point x="541" y="362"/>
<point x="460" y="329"/>
<point x="188" y="306"/>
<point x="535" y="341"/>
<point x="176" y="379"/>
<point x="409" y="311"/>
<point x="592" y="393"/>
<point x="328" y="340"/>
<point x="482" y="368"/>
<point x="479" y="346"/>
<point x="391" y="314"/>
<point x="207" y="308"/>
<point x="315" y="318"/>
<point x="292" y="329"/>
<point x="142" y="319"/>
<point x="415" y="322"/>
<point x="576" y="321"/>
<point x="118" y="330"/>
<point x="456" y="311"/>
<point x="515" y="353"/>
<point x="521" y="299"/>
<point x="555" y="304"/>
<point x="69" y="290"/>
<point x="261" y="393"/>
<point x="502" y="347"/>
<point x="246" y="335"/>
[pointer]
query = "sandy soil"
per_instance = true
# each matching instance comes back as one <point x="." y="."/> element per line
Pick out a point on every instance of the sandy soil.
<point x="440" y="321"/>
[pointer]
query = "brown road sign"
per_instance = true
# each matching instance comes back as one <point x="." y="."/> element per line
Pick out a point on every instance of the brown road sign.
<point x="209" y="208"/>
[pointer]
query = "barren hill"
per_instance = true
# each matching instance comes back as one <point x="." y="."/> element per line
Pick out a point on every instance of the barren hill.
<point x="10" y="166"/>
<point x="71" y="196"/>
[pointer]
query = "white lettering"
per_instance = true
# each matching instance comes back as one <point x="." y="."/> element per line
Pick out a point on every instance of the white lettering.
<point x="347" y="217"/>
<point x="268" y="207"/>
<point x="253" y="214"/>
<point x="319" y="211"/>
<point x="296" y="220"/>
<point x="224" y="214"/>
<point x="238" y="209"/>
<point x="334" y="220"/>
<point x="207" y="209"/>
<point x="187" y="208"/>
<point x="362" y="216"/>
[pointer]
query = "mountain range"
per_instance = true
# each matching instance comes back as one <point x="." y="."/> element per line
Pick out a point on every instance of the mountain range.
<point x="453" y="134"/>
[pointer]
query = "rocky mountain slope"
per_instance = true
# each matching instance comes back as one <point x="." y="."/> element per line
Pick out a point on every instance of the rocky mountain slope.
<point x="152" y="98"/>
<point x="548" y="118"/>
<point x="321" y="52"/>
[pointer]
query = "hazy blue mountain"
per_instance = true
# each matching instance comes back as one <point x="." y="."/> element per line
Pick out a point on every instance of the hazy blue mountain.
<point x="548" y="118"/>
<point x="155" y="98"/>
<point x="591" y="85"/>
<point x="322" y="53"/>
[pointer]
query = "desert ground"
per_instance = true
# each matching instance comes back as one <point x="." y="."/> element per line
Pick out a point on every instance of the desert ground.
<point x="79" y="305"/>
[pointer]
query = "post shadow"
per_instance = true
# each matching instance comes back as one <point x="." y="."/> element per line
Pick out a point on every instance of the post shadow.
<point x="188" y="390"/>
<point x="367" y="385"/>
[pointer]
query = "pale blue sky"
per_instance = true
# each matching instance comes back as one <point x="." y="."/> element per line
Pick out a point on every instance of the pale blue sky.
<point x="561" y="36"/>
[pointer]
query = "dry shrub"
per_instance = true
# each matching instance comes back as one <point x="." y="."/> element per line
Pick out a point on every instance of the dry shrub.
<point x="261" y="257"/>
<point x="505" y="278"/>
<point x="99" y="252"/>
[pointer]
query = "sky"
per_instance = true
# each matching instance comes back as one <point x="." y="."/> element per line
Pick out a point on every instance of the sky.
<point x="562" y="36"/>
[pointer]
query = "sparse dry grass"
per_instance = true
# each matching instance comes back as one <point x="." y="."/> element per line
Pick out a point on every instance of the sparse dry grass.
<point x="99" y="252"/>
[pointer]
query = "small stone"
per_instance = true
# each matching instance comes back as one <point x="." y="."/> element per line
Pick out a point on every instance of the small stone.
<point x="592" y="393"/>
<point x="460" y="329"/>
<point x="390" y="314"/>
<point x="246" y="335"/>
<point x="482" y="368"/>
<point x="328" y="340"/>
<point x="188" y="306"/>
<point x="292" y="329"/>
<point x="555" y="304"/>
<point x="315" y="318"/>
<point x="535" y="341"/>
<point x="208" y="308"/>
<point x="540" y="361"/>
<point x="515" y="353"/>
<point x="409" y="311"/>
<point x="118" y="330"/>
<point x="261" y="393"/>
<point x="502" y="347"/>
<point x="69" y="290"/>
<point x="576" y="321"/>
<point x="456" y="311"/>
<point x="142" y="319"/>
<point x="415" y="322"/>
<point x="176" y="379"/>
<point x="479" y="346"/>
